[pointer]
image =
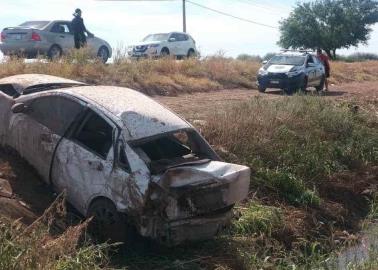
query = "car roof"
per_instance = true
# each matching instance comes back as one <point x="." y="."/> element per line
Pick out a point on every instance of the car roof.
<point x="141" y="115"/>
<point x="23" y="82"/>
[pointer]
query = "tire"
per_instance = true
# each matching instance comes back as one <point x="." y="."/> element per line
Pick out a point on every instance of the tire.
<point x="164" y="52"/>
<point x="304" y="85"/>
<point x="320" y="87"/>
<point x="289" y="91"/>
<point x="54" y="52"/>
<point x="262" y="89"/>
<point x="103" y="54"/>
<point x="191" y="53"/>
<point x="107" y="223"/>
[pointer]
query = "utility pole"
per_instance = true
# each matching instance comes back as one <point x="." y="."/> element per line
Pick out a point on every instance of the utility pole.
<point x="184" y="16"/>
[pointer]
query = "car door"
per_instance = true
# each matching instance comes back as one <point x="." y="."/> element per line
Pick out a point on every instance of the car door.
<point x="61" y="34"/>
<point x="311" y="71"/>
<point x="84" y="159"/>
<point x="36" y="132"/>
<point x="185" y="44"/>
<point x="173" y="44"/>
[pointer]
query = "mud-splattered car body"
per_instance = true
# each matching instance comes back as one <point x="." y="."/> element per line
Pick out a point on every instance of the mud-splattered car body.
<point x="102" y="142"/>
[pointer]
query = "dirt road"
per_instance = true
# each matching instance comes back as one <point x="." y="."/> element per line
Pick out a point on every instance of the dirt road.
<point x="195" y="106"/>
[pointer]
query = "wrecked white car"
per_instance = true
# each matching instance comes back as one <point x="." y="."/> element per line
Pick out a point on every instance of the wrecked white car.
<point x="121" y="157"/>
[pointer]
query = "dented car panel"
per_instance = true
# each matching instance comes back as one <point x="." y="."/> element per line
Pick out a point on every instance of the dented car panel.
<point x="116" y="143"/>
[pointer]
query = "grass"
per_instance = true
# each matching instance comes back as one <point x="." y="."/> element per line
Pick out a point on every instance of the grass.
<point x="295" y="143"/>
<point x="42" y="245"/>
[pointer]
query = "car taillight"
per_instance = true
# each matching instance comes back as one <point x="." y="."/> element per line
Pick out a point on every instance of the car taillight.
<point x="35" y="36"/>
<point x="2" y="36"/>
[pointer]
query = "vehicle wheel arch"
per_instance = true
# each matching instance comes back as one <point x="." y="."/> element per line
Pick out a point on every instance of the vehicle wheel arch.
<point x="191" y="53"/>
<point x="166" y="49"/>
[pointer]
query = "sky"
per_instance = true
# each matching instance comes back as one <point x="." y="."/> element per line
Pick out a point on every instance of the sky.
<point x="123" y="23"/>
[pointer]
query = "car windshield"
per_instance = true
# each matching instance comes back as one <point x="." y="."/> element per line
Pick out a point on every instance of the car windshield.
<point x="35" y="24"/>
<point x="173" y="149"/>
<point x="292" y="60"/>
<point x="156" y="37"/>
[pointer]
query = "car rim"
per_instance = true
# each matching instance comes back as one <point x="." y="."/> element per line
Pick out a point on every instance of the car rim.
<point x="55" y="52"/>
<point x="103" y="55"/>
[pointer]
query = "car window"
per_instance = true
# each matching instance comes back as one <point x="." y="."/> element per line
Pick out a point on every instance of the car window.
<point x="182" y="37"/>
<point x="62" y="28"/>
<point x="8" y="89"/>
<point x="175" y="36"/>
<point x="122" y="157"/>
<point x="55" y="113"/>
<point x="96" y="134"/>
<point x="35" y="24"/>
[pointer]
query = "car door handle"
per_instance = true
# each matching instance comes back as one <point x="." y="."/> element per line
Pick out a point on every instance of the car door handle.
<point x="62" y="36"/>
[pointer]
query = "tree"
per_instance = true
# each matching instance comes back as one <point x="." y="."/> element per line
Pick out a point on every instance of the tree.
<point x="329" y="24"/>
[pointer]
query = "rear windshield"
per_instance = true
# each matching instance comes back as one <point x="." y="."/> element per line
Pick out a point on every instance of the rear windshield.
<point x="35" y="24"/>
<point x="292" y="60"/>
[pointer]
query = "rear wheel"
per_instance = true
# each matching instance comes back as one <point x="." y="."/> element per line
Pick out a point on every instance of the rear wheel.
<point x="107" y="223"/>
<point x="55" y="52"/>
<point x="191" y="53"/>
<point x="103" y="54"/>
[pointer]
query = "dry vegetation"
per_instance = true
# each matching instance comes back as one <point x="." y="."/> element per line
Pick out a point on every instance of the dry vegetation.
<point x="171" y="77"/>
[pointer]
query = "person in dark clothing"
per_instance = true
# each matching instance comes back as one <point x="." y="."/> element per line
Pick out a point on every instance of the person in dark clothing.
<point x="79" y="30"/>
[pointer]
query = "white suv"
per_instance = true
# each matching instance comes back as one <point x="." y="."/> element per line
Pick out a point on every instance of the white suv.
<point x="176" y="43"/>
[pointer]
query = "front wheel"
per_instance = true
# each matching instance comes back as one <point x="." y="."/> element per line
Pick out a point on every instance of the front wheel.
<point x="164" y="52"/>
<point x="320" y="87"/>
<point x="107" y="223"/>
<point x="304" y="85"/>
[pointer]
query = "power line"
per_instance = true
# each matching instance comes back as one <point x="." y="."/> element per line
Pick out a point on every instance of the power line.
<point x="230" y="15"/>
<point x="262" y="7"/>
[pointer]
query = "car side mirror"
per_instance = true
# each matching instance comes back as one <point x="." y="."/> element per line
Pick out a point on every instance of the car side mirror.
<point x="172" y="39"/>
<point x="19" y="108"/>
<point x="310" y="65"/>
<point x="265" y="61"/>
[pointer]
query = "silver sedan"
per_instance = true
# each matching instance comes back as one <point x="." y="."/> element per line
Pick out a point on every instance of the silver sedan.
<point x="51" y="38"/>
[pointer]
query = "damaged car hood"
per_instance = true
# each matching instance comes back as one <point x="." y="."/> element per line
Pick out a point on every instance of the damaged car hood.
<point x="210" y="173"/>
